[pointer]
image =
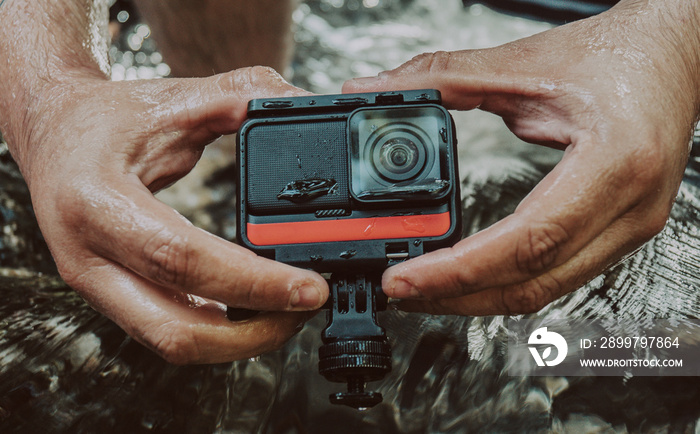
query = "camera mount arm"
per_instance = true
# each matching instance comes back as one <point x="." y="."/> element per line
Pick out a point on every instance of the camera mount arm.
<point x="355" y="349"/>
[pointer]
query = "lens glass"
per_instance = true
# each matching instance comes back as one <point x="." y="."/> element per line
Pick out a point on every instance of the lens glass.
<point x="397" y="156"/>
<point x="396" y="151"/>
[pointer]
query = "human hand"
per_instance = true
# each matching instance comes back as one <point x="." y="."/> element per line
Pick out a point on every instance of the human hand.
<point x="93" y="152"/>
<point x="618" y="92"/>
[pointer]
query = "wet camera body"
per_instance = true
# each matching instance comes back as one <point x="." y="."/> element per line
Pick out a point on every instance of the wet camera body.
<point x="348" y="183"/>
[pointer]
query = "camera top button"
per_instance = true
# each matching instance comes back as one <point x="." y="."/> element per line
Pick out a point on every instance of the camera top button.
<point x="350" y="101"/>
<point x="278" y="104"/>
<point x="389" y="99"/>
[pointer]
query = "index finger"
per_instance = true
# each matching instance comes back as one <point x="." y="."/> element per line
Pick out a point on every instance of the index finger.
<point x="177" y="328"/>
<point x="127" y="225"/>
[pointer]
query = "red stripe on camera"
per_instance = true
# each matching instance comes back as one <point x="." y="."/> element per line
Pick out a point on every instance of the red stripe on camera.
<point x="371" y="228"/>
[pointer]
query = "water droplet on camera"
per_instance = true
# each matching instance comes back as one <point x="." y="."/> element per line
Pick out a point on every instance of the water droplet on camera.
<point x="370" y="227"/>
<point x="348" y="254"/>
<point x="305" y="190"/>
<point x="413" y="225"/>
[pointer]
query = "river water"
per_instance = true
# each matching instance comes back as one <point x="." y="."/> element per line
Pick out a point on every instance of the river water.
<point x="66" y="369"/>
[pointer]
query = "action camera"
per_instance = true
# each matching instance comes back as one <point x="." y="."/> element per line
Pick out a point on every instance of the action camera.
<point x="349" y="185"/>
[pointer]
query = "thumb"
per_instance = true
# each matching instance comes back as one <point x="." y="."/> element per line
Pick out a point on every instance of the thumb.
<point x="179" y="117"/>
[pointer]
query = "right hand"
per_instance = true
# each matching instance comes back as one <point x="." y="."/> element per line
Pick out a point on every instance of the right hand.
<point x="93" y="152"/>
<point x="619" y="93"/>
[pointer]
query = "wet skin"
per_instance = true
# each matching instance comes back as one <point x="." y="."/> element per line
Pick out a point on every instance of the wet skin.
<point x="618" y="92"/>
<point x="94" y="151"/>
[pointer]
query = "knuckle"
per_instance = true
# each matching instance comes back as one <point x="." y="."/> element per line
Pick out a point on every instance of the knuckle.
<point x="264" y="72"/>
<point x="532" y="296"/>
<point x="250" y="78"/>
<point x="651" y="208"/>
<point x="263" y="292"/>
<point x="460" y="279"/>
<point x="175" y="343"/>
<point x="73" y="202"/>
<point x="434" y="63"/>
<point x="646" y="172"/>
<point x="540" y="247"/>
<point x="655" y="223"/>
<point x="465" y="281"/>
<point x="171" y="90"/>
<point x="253" y="82"/>
<point x="254" y="292"/>
<point x="168" y="258"/>
<point x="72" y="275"/>
<point x="247" y="295"/>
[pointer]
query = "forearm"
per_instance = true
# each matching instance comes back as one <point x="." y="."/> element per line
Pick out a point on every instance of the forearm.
<point x="45" y="43"/>
<point x="673" y="27"/>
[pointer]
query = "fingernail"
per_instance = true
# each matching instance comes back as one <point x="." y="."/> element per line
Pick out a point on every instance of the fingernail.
<point x="403" y="289"/>
<point x="306" y="296"/>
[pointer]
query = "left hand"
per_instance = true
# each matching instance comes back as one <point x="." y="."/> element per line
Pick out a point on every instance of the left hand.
<point x="619" y="93"/>
<point x="94" y="152"/>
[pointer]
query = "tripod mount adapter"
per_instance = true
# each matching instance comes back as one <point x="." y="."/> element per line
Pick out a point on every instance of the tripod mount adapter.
<point x="355" y="349"/>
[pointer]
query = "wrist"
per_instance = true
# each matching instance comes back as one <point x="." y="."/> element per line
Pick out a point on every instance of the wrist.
<point x="34" y="111"/>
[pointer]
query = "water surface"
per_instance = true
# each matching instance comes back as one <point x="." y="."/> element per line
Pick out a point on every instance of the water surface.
<point x="64" y="368"/>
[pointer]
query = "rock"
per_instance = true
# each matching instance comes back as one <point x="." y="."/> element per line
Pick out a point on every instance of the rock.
<point x="22" y="247"/>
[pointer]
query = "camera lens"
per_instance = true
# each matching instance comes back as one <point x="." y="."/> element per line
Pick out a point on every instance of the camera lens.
<point x="396" y="151"/>
<point x="398" y="155"/>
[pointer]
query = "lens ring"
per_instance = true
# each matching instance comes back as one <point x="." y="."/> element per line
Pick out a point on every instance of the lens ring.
<point x="389" y="144"/>
<point x="398" y="155"/>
